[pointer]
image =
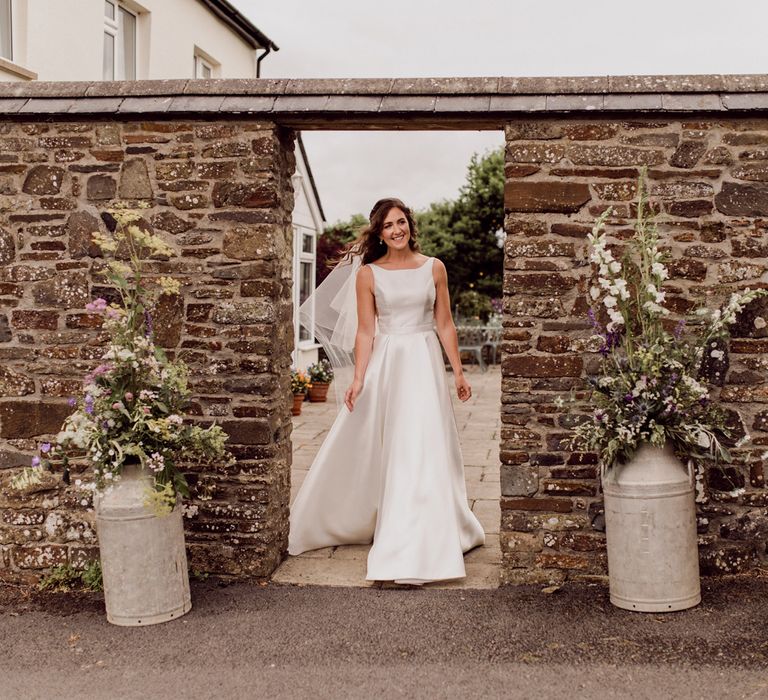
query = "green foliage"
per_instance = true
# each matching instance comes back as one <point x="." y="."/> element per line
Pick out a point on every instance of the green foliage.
<point x="91" y="576"/>
<point x="199" y="575"/>
<point x="463" y="232"/>
<point x="66" y="578"/>
<point x="300" y="381"/>
<point x="651" y="386"/>
<point x="472" y="305"/>
<point x="132" y="405"/>
<point x="320" y="372"/>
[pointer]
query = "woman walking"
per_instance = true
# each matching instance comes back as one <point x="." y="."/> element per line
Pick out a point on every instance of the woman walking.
<point x="390" y="470"/>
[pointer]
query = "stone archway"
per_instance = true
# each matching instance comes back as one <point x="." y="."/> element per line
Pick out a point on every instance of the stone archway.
<point x="218" y="158"/>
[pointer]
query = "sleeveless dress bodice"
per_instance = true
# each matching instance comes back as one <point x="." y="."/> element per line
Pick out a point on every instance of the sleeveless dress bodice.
<point x="405" y="299"/>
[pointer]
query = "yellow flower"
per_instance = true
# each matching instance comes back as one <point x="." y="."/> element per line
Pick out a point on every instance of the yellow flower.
<point x="120" y="268"/>
<point x="103" y="242"/>
<point x="169" y="285"/>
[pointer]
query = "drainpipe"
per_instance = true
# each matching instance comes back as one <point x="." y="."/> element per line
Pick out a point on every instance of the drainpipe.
<point x="260" y="59"/>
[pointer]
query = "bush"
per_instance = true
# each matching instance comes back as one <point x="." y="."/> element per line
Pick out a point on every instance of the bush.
<point x="474" y="305"/>
<point x="320" y="372"/>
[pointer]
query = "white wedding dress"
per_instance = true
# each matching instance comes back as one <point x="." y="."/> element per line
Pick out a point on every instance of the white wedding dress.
<point x="391" y="471"/>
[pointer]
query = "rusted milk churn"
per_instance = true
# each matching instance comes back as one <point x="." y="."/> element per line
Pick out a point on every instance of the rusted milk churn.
<point x="650" y="519"/>
<point x="143" y="561"/>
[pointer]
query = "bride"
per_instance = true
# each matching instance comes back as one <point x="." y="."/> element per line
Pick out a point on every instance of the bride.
<point x="390" y="470"/>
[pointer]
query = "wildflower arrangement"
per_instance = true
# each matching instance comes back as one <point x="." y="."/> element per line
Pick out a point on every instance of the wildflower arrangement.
<point x="320" y="372"/>
<point x="300" y="381"/>
<point x="651" y="387"/>
<point x="132" y="403"/>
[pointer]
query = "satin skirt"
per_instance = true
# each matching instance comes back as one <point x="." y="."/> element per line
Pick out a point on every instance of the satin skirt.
<point x="391" y="471"/>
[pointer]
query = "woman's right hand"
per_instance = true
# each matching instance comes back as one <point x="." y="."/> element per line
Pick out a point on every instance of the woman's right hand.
<point x="352" y="393"/>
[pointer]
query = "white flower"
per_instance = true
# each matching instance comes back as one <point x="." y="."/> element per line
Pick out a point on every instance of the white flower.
<point x="619" y="289"/>
<point x="559" y="402"/>
<point x="717" y="354"/>
<point x="615" y="267"/>
<point x="659" y="271"/>
<point x="609" y="302"/>
<point x="616" y="319"/>
<point x="759" y="322"/>
<point x="594" y="292"/>
<point x="653" y="307"/>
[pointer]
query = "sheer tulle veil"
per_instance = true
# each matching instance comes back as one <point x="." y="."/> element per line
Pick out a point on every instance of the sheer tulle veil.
<point x="330" y="315"/>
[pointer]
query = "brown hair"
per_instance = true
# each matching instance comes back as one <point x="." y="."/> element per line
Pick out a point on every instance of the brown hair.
<point x="368" y="243"/>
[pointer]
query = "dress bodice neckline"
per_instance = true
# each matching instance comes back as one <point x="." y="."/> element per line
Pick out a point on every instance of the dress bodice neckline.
<point x="401" y="269"/>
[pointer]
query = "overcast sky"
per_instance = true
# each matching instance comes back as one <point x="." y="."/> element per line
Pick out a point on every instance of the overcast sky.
<point x="431" y="38"/>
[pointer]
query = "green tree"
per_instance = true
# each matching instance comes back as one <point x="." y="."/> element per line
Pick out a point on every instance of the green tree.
<point x="463" y="232"/>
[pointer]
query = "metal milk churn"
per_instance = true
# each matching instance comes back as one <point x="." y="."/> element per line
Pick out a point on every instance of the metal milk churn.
<point x="143" y="560"/>
<point x="650" y="518"/>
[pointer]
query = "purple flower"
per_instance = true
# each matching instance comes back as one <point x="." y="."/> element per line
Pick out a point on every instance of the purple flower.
<point x="72" y="401"/>
<point x="89" y="404"/>
<point x="35" y="461"/>
<point x="592" y="319"/>
<point x="97" y="305"/>
<point x="45" y="447"/>
<point x="629" y="398"/>
<point x="679" y="328"/>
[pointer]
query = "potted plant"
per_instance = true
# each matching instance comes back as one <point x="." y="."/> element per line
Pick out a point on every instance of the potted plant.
<point x="129" y="427"/>
<point x="300" y="385"/>
<point x="653" y="416"/>
<point x="321" y="376"/>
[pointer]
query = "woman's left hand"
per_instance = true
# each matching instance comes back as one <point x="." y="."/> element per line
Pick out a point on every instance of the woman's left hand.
<point x="463" y="390"/>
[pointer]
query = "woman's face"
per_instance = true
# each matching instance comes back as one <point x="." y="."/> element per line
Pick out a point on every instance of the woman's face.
<point x="395" y="231"/>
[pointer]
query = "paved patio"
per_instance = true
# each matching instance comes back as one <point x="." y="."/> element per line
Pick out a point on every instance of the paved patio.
<point x="479" y="424"/>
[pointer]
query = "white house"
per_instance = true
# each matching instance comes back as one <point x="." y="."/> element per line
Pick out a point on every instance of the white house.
<point x="308" y="224"/>
<point x="128" y="40"/>
<point x="156" y="39"/>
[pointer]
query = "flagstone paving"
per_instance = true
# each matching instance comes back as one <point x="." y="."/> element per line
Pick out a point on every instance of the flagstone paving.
<point x="479" y="425"/>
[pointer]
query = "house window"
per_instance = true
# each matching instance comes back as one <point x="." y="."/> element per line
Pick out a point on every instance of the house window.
<point x="203" y="69"/>
<point x="6" y="33"/>
<point x="305" y="242"/>
<point x="119" y="42"/>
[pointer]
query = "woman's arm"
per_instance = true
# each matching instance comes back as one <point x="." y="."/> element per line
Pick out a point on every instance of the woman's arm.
<point x="366" y="327"/>
<point x="446" y="330"/>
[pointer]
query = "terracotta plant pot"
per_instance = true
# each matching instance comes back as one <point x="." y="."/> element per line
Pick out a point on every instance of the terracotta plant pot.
<point x="318" y="392"/>
<point x="298" y="399"/>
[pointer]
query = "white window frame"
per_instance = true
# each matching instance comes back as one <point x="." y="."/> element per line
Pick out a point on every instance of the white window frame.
<point x="201" y="65"/>
<point x="112" y="28"/>
<point x="7" y="7"/>
<point x="302" y="257"/>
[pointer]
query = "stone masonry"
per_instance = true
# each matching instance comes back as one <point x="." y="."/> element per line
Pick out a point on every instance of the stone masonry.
<point x="708" y="181"/>
<point x="212" y="160"/>
<point x="220" y="194"/>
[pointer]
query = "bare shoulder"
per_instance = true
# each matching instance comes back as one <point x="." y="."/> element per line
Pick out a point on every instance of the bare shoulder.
<point x="438" y="269"/>
<point x="365" y="275"/>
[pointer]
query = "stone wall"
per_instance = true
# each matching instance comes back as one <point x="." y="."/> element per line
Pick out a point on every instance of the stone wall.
<point x="709" y="183"/>
<point x="219" y="192"/>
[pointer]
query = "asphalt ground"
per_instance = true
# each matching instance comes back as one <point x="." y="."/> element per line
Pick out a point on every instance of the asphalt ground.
<point x="281" y="641"/>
